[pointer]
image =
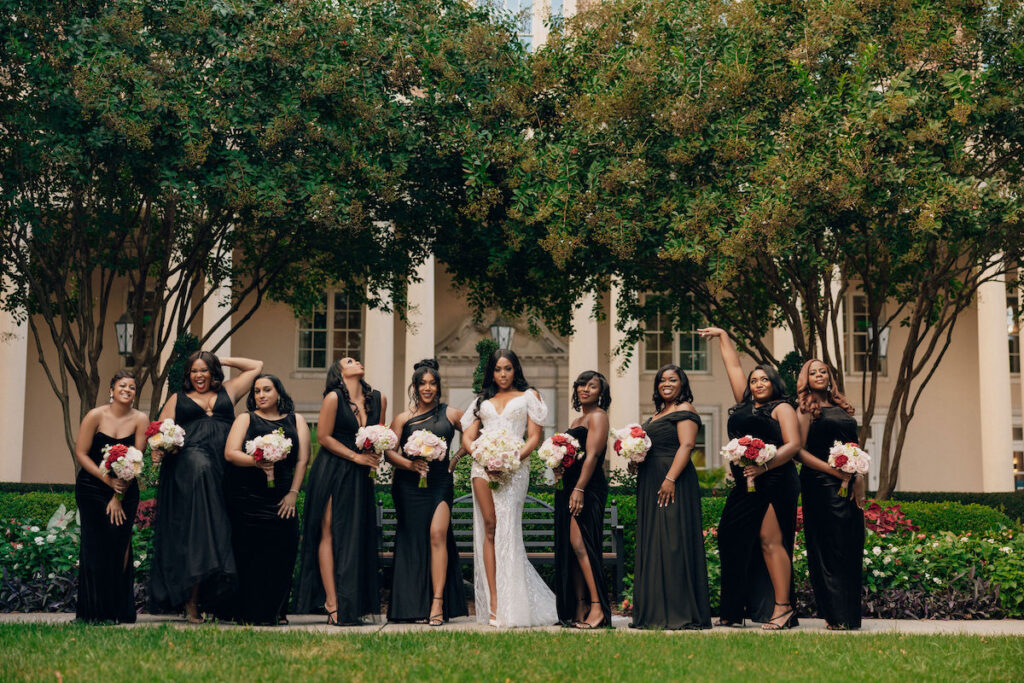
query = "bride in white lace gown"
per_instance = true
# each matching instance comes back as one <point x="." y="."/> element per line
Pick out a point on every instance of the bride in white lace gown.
<point x="519" y="596"/>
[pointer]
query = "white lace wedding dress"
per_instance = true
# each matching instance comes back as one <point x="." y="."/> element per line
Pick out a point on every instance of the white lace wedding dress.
<point x="523" y="597"/>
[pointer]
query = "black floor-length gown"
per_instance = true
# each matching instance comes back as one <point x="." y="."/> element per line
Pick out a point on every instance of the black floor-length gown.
<point x="670" y="585"/>
<point x="833" y="525"/>
<point x="349" y="489"/>
<point x="591" y="525"/>
<point x="192" y="539"/>
<point x="265" y="545"/>
<point x="412" y="588"/>
<point x="106" y="573"/>
<point x="746" y="587"/>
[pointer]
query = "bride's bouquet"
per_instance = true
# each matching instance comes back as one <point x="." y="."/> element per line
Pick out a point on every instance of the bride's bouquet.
<point x="748" y="450"/>
<point x="848" y="458"/>
<point x="423" y="444"/>
<point x="272" y="447"/>
<point x="125" y="462"/>
<point x="559" y="452"/>
<point x="164" y="436"/>
<point x="497" y="451"/>
<point x="376" y="438"/>
<point x="632" y="443"/>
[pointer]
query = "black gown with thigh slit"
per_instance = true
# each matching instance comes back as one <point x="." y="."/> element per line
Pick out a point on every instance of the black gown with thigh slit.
<point x="590" y="521"/>
<point x="265" y="545"/>
<point x="192" y="537"/>
<point x="746" y="587"/>
<point x="833" y="525"/>
<point x="670" y="586"/>
<point x="106" y="573"/>
<point x="349" y="488"/>
<point x="412" y="588"/>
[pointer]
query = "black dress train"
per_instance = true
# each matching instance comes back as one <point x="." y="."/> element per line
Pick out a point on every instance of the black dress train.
<point x="265" y="545"/>
<point x="746" y="587"/>
<point x="192" y="539"/>
<point x="412" y="587"/>
<point x="833" y="525"/>
<point x="106" y="573"/>
<point x="349" y="489"/>
<point x="591" y="525"/>
<point x="670" y="587"/>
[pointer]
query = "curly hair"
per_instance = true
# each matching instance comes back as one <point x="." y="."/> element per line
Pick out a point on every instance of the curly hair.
<point x="336" y="382"/>
<point x="685" y="393"/>
<point x="810" y="401"/>
<point x="212" y="363"/>
<point x="604" y="399"/>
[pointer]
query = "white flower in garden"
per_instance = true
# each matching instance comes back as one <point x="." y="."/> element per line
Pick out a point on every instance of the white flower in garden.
<point x="886" y="560"/>
<point x="876" y="572"/>
<point x="51" y="575"/>
<point x="50" y="538"/>
<point x="33" y="529"/>
<point x="877" y="550"/>
<point x="937" y="581"/>
<point x="40" y="540"/>
<point x="867" y="560"/>
<point x="935" y="544"/>
<point x="136" y="564"/>
<point x="1006" y="549"/>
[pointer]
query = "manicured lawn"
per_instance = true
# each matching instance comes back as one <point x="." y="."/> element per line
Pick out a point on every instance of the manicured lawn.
<point x="73" y="653"/>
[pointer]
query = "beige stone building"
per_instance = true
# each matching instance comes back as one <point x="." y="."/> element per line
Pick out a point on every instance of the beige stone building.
<point x="966" y="436"/>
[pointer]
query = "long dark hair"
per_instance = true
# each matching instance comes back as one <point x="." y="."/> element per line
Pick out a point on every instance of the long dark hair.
<point x="285" y="404"/>
<point x="603" y="400"/>
<point x="810" y="401"/>
<point x="212" y="362"/>
<point x="419" y="371"/>
<point x="685" y="394"/>
<point x="490" y="389"/>
<point x="778" y="387"/>
<point x="336" y="382"/>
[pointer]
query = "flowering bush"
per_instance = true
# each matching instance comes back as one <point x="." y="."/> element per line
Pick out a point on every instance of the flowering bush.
<point x="34" y="551"/>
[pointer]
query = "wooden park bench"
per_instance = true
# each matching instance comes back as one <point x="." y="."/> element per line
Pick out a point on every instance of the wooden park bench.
<point x="538" y="534"/>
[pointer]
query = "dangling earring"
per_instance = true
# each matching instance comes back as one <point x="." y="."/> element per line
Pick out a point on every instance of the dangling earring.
<point x="111" y="398"/>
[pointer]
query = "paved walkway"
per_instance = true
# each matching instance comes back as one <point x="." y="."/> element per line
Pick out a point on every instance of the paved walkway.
<point x="306" y="622"/>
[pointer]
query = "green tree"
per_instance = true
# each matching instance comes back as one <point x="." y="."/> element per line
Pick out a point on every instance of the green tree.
<point x="167" y="146"/>
<point x="749" y="163"/>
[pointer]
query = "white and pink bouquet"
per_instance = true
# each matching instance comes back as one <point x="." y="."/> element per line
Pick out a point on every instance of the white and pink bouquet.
<point x="424" y="445"/>
<point x="164" y="436"/>
<point x="497" y="451"/>
<point x="376" y="438"/>
<point x="124" y="462"/>
<point x="748" y="450"/>
<point x="632" y="442"/>
<point x="848" y="458"/>
<point x="272" y="447"/>
<point x="559" y="452"/>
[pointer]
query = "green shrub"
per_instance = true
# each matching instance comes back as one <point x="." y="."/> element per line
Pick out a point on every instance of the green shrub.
<point x="1010" y="503"/>
<point x="957" y="518"/>
<point x="34" y="506"/>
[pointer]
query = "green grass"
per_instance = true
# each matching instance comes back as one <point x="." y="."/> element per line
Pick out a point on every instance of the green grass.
<point x="39" y="652"/>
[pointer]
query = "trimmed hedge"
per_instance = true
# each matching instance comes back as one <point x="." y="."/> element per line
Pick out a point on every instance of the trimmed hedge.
<point x="957" y="518"/>
<point x="36" y="506"/>
<point x="1010" y="503"/>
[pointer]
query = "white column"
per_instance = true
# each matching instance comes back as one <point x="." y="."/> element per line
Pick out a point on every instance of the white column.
<point x="582" y="343"/>
<point x="13" y="372"/>
<point x="419" y="333"/>
<point x="994" y="378"/>
<point x="624" y="380"/>
<point x="782" y="342"/>
<point x="213" y="309"/>
<point x="830" y="343"/>
<point x="379" y="360"/>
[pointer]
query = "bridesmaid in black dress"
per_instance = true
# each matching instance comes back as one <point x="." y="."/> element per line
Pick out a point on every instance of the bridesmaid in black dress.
<point x="264" y="527"/>
<point x="833" y="524"/>
<point x="670" y="588"/>
<point x="427" y="584"/>
<point x="106" y="575"/>
<point x="757" y="530"/>
<point x="581" y="593"/>
<point x="339" y="545"/>
<point x="192" y="561"/>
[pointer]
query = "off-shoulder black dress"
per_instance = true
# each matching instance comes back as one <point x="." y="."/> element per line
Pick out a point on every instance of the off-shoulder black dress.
<point x="265" y="545"/>
<point x="590" y="521"/>
<point x="412" y="587"/>
<point x="349" y="488"/>
<point x="106" y="573"/>
<point x="833" y="525"/>
<point x="670" y="586"/>
<point x="746" y="587"/>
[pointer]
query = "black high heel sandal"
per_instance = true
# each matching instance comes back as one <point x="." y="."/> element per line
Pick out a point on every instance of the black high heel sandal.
<point x="436" y="619"/>
<point x="332" y="617"/>
<point x="586" y="625"/>
<point x="789" y="615"/>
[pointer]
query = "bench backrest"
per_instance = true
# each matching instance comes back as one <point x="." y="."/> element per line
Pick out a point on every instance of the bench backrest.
<point x="538" y="525"/>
